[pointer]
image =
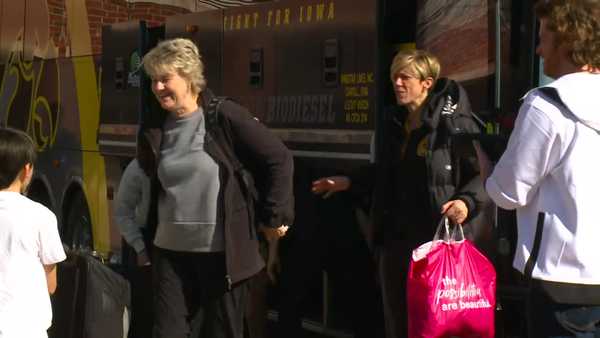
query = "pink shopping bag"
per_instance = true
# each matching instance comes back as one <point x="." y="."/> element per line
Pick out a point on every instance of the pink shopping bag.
<point x="451" y="289"/>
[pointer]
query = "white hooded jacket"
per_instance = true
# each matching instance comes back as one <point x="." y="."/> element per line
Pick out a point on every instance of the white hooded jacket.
<point x="552" y="165"/>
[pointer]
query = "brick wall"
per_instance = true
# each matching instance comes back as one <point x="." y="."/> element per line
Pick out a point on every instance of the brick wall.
<point x="463" y="49"/>
<point x="58" y="22"/>
<point x="105" y="12"/>
<point x="459" y="38"/>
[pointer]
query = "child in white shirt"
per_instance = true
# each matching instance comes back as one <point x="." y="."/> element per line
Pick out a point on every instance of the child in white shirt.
<point x="30" y="245"/>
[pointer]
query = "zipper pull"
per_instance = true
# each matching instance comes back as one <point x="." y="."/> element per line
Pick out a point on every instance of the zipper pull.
<point x="228" y="279"/>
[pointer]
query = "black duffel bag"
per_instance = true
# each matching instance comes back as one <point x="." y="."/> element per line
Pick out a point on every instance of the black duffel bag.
<point x="91" y="300"/>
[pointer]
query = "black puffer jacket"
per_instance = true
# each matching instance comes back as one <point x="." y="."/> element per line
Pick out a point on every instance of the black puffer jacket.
<point x="267" y="158"/>
<point x="447" y="111"/>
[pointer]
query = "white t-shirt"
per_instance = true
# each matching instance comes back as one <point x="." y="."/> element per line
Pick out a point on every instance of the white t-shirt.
<point x="29" y="240"/>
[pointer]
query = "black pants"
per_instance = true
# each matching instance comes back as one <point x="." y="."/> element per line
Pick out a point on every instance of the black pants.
<point x="393" y="259"/>
<point x="142" y="315"/>
<point x="351" y="277"/>
<point x="192" y="297"/>
<point x="140" y="279"/>
<point x="546" y="318"/>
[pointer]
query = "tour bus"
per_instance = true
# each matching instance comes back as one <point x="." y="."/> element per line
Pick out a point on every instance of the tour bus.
<point x="316" y="72"/>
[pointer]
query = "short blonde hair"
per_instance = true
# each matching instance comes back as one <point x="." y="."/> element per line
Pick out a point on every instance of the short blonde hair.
<point x="178" y="55"/>
<point x="419" y="63"/>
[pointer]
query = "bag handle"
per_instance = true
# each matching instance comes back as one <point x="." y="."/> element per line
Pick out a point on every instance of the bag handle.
<point x="447" y="235"/>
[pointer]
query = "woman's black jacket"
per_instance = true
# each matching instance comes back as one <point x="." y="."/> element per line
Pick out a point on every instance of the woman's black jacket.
<point x="447" y="112"/>
<point x="270" y="162"/>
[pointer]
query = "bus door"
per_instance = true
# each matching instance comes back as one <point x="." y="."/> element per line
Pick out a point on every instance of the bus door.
<point x="122" y="87"/>
<point x="125" y="99"/>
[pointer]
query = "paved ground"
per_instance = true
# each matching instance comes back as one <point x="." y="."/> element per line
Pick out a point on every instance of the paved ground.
<point x="312" y="331"/>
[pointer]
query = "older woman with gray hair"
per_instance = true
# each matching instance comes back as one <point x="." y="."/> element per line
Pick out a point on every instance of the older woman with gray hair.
<point x="206" y="244"/>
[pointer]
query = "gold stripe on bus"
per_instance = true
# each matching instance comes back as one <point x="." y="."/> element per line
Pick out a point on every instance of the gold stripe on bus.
<point x="94" y="173"/>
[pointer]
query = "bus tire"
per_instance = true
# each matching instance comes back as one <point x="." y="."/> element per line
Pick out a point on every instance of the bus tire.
<point x="77" y="230"/>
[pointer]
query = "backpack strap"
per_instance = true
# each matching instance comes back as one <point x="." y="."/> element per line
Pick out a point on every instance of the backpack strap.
<point x="535" y="250"/>
<point x="551" y="94"/>
<point x="221" y="131"/>
<point x="539" y="228"/>
<point x="212" y="112"/>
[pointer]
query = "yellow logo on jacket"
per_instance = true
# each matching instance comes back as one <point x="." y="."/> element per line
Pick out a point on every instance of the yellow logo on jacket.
<point x="422" y="147"/>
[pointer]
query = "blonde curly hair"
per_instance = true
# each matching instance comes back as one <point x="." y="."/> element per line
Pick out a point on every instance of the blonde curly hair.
<point x="576" y="24"/>
<point x="176" y="55"/>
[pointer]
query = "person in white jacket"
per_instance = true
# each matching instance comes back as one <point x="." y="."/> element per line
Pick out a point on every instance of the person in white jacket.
<point x="550" y="173"/>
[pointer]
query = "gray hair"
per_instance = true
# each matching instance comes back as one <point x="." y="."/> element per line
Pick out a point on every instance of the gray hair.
<point x="176" y="55"/>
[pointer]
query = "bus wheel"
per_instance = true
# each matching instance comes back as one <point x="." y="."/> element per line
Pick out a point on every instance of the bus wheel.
<point x="77" y="230"/>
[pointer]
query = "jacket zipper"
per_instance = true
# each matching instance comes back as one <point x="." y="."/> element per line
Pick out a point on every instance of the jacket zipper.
<point x="429" y="170"/>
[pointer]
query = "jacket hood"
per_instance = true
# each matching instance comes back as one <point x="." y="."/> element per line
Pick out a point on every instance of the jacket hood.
<point x="580" y="93"/>
<point x="446" y="98"/>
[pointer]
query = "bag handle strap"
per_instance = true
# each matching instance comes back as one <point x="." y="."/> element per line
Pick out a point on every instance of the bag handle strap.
<point x="443" y="232"/>
<point x="536" y="247"/>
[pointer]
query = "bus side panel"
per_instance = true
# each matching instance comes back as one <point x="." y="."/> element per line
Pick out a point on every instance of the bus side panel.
<point x="318" y="62"/>
<point x="307" y="70"/>
<point x="12" y="24"/>
<point x="12" y="90"/>
<point x="205" y="29"/>
<point x="247" y="37"/>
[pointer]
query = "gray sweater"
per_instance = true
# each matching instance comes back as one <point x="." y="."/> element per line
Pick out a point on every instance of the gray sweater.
<point x="132" y="203"/>
<point x="187" y="207"/>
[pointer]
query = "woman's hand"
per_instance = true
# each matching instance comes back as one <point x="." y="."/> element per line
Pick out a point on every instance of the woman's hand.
<point x="329" y="185"/>
<point x="142" y="258"/>
<point x="456" y="211"/>
<point x="273" y="234"/>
